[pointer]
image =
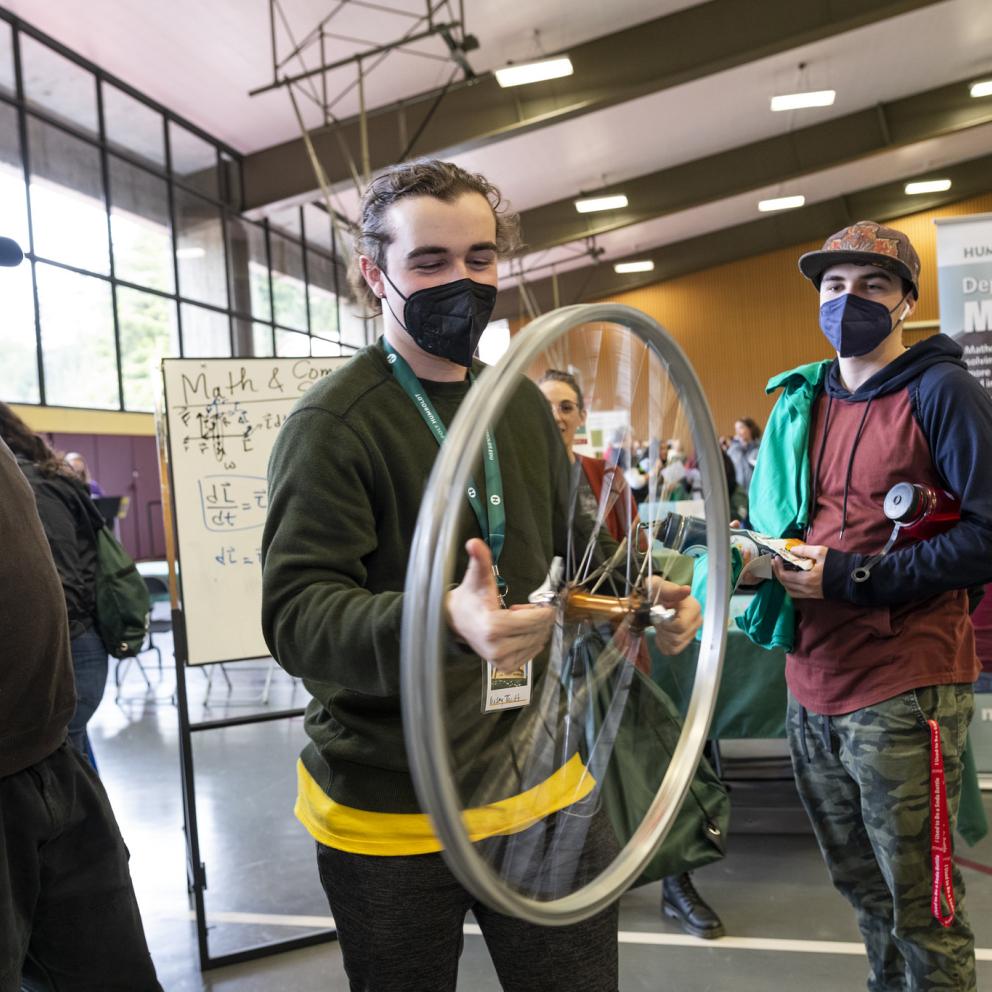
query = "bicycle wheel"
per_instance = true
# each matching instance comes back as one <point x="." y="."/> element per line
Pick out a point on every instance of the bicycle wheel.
<point x="550" y="811"/>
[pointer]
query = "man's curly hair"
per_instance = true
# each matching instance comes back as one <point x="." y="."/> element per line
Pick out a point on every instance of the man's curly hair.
<point x="423" y="177"/>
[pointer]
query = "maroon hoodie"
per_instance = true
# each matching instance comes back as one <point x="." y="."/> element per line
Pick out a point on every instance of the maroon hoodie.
<point x="921" y="419"/>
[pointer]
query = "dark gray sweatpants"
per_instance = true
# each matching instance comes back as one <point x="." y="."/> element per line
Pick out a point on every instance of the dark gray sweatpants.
<point x="400" y="919"/>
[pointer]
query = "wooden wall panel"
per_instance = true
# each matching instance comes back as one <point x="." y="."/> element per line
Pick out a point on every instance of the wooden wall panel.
<point x="615" y="372"/>
<point x="743" y="322"/>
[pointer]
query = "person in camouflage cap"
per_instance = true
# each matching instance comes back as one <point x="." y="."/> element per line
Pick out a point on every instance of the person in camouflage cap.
<point x="882" y="658"/>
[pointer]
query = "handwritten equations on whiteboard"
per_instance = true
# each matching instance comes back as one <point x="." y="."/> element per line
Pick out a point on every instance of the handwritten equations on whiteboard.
<point x="222" y="416"/>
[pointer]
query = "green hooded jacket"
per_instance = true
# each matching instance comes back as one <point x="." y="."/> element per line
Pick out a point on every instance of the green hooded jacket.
<point x="780" y="493"/>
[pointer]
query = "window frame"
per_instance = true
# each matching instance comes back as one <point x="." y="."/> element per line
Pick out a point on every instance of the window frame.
<point x="229" y="186"/>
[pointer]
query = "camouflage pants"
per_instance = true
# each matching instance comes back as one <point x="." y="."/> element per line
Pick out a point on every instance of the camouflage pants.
<point x="864" y="779"/>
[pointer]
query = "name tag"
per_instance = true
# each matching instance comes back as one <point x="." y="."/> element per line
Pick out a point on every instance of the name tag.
<point x="505" y="690"/>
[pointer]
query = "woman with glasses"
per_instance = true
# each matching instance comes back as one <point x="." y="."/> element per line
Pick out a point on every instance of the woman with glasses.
<point x="679" y="899"/>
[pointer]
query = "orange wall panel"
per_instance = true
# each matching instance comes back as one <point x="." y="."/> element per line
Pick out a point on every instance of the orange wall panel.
<point x="742" y="322"/>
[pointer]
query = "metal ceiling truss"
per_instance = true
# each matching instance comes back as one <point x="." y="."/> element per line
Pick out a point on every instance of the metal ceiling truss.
<point x="646" y="58"/>
<point x="311" y="81"/>
<point x="316" y="41"/>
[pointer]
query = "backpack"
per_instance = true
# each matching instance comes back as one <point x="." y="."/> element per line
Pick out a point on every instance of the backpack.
<point x="122" y="600"/>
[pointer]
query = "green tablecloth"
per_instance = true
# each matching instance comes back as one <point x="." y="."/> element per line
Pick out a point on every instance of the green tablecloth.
<point x="752" y="702"/>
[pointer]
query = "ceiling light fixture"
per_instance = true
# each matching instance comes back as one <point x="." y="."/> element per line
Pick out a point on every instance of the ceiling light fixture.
<point x="800" y="101"/>
<point x="781" y="203"/>
<point x="534" y="72"/>
<point x="928" y="186"/>
<point x="622" y="268"/>
<point x="590" y="204"/>
<point x="982" y="88"/>
<point x="190" y="252"/>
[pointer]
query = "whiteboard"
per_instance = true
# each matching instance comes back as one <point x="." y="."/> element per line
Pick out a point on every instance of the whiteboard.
<point x="220" y="417"/>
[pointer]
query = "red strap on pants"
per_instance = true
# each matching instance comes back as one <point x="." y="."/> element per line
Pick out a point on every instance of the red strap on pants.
<point x="940" y="833"/>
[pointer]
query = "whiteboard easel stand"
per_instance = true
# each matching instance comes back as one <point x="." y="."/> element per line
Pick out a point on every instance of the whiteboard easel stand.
<point x="196" y="870"/>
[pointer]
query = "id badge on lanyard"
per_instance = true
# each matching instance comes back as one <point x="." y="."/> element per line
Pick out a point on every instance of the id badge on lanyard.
<point x="505" y="690"/>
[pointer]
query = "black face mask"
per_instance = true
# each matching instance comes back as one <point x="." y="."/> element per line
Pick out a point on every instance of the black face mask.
<point x="449" y="319"/>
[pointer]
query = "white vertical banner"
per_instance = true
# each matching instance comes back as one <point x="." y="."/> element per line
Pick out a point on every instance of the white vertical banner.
<point x="964" y="282"/>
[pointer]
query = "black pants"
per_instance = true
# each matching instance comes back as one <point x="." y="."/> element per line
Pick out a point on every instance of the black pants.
<point x="66" y="900"/>
<point x="399" y="923"/>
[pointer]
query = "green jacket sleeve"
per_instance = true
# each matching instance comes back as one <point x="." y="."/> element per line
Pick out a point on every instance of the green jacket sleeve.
<point x="318" y="620"/>
<point x="700" y="576"/>
<point x="778" y="500"/>
<point x="770" y="619"/>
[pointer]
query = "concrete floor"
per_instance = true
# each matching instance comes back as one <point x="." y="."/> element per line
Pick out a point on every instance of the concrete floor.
<point x="263" y="882"/>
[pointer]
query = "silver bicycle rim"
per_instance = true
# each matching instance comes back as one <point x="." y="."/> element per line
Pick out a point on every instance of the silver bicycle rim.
<point x="429" y="576"/>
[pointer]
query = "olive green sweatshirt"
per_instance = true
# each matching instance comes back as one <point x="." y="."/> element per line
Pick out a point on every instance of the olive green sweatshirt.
<point x="346" y="479"/>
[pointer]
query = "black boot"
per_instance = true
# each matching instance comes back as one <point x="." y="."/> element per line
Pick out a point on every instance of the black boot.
<point x="680" y="901"/>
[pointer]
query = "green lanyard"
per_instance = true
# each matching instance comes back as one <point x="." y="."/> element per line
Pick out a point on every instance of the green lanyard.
<point x="492" y="517"/>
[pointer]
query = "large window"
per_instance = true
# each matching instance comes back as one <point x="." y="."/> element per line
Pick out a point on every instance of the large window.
<point x="63" y="89"/>
<point x="149" y="332"/>
<point x="140" y="227"/>
<point x="19" y="365"/>
<point x="136" y="249"/>
<point x="200" y="249"/>
<point x="132" y="127"/>
<point x="13" y="195"/>
<point x="248" y="260"/>
<point x="6" y="60"/>
<point x="68" y="216"/>
<point x="77" y="338"/>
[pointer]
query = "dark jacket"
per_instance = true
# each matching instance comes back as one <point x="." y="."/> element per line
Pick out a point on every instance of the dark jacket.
<point x="954" y="413"/>
<point x="37" y="695"/>
<point x="923" y="418"/>
<point x="71" y="537"/>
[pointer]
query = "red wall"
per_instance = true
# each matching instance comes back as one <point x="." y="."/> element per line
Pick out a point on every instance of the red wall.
<point x="125" y="466"/>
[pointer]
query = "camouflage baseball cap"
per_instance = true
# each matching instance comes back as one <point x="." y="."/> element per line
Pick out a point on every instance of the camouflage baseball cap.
<point x="870" y="244"/>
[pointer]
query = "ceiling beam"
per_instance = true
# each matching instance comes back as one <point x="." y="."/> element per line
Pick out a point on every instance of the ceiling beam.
<point x="669" y="51"/>
<point x="812" y="223"/>
<point x="780" y="159"/>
